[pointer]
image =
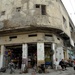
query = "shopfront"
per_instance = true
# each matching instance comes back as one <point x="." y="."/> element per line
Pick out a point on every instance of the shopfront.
<point x="27" y="50"/>
<point x="31" y="54"/>
<point x="13" y="52"/>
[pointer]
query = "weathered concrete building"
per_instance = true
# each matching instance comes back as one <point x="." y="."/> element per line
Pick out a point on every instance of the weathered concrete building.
<point x="71" y="50"/>
<point x="33" y="27"/>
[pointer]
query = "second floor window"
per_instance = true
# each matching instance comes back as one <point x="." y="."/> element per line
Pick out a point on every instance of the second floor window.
<point x="42" y="9"/>
<point x="71" y="28"/>
<point x="18" y="9"/>
<point x="3" y="13"/>
<point x="64" y="22"/>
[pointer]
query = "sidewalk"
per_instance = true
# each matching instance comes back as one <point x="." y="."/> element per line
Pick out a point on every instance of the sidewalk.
<point x="17" y="72"/>
<point x="69" y="71"/>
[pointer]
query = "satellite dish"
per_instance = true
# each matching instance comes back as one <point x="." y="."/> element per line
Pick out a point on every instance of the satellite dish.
<point x="1" y="25"/>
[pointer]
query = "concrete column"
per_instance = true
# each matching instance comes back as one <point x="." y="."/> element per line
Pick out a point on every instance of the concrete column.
<point x="24" y="56"/>
<point x="53" y="56"/>
<point x="40" y="54"/>
<point x="60" y="54"/>
<point x="53" y="48"/>
<point x="2" y="56"/>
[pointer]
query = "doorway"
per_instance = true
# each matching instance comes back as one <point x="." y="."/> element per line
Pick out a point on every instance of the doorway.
<point x="32" y="55"/>
<point x="48" y="56"/>
<point x="14" y="52"/>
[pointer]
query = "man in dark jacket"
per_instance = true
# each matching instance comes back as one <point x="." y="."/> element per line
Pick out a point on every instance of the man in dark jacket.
<point x="62" y="64"/>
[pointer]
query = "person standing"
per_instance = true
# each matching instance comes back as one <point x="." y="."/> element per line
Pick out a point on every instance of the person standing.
<point x="56" y="64"/>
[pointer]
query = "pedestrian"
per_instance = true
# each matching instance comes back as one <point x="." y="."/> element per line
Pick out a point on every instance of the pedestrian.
<point x="11" y="66"/>
<point x="74" y="64"/>
<point x="56" y="64"/>
<point x="62" y="64"/>
<point x="65" y="64"/>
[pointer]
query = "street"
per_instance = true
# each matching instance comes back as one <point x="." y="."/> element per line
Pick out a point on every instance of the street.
<point x="69" y="71"/>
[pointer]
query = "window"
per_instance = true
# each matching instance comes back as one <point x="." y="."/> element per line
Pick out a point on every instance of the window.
<point x="32" y="35"/>
<point x="48" y="35"/>
<point x="18" y="9"/>
<point x="37" y="6"/>
<point x="12" y="37"/>
<point x="71" y="28"/>
<point x="42" y="9"/>
<point x="64" y="22"/>
<point x="58" y="38"/>
<point x="3" y="13"/>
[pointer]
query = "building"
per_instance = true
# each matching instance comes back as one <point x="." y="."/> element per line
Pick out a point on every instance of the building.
<point x="33" y="28"/>
<point x="71" y="50"/>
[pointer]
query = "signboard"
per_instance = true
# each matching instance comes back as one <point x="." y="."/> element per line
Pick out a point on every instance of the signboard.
<point x="40" y="51"/>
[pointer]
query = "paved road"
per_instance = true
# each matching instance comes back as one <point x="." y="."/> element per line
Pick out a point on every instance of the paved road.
<point x="69" y="71"/>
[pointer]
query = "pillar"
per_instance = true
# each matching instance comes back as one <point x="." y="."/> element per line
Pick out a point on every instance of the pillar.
<point x="53" y="48"/>
<point x="24" y="56"/>
<point x="60" y="54"/>
<point x="2" y="56"/>
<point x="53" y="56"/>
<point x="40" y="54"/>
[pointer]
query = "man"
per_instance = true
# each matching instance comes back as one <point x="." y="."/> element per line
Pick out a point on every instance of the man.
<point x="11" y="66"/>
<point x="62" y="64"/>
<point x="56" y="64"/>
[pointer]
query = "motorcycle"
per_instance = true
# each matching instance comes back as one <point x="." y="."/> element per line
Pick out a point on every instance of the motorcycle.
<point x="3" y="69"/>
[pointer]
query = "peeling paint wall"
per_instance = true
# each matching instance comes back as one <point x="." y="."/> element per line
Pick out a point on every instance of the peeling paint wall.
<point x="24" y="38"/>
<point x="66" y="16"/>
<point x="30" y="15"/>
